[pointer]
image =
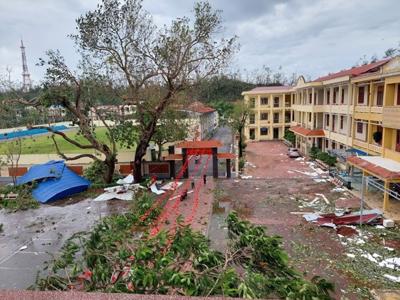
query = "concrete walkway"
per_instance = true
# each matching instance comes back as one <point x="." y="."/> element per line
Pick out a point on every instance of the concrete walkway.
<point x="31" y="238"/>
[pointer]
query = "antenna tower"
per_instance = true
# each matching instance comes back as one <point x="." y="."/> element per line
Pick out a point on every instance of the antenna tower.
<point x="26" y="77"/>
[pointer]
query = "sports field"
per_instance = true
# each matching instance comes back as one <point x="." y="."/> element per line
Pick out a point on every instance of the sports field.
<point x="43" y="144"/>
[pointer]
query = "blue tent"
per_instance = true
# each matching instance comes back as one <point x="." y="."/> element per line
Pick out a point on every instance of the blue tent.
<point x="55" y="181"/>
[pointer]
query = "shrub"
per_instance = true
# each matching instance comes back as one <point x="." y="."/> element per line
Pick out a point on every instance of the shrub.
<point x="290" y="136"/>
<point x="326" y="158"/>
<point x="23" y="201"/>
<point x="314" y="151"/>
<point x="95" y="172"/>
<point x="242" y="161"/>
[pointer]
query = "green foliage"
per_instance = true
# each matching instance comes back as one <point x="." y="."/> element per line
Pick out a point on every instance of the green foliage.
<point x="242" y="162"/>
<point x="224" y="109"/>
<point x="95" y="172"/>
<point x="170" y="128"/>
<point x="23" y="201"/>
<point x="326" y="158"/>
<point x="222" y="89"/>
<point x="115" y="258"/>
<point x="314" y="151"/>
<point x="290" y="136"/>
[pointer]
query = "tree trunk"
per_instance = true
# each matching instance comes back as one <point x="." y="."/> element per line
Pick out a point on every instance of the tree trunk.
<point x="139" y="153"/>
<point x="159" y="152"/>
<point x="240" y="144"/>
<point x="110" y="169"/>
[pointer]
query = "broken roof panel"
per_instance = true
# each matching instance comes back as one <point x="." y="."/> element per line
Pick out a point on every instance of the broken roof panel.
<point x="54" y="181"/>
<point x="51" y="169"/>
<point x="383" y="168"/>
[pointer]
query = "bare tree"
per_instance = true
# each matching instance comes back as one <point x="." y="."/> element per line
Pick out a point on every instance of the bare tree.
<point x="13" y="155"/>
<point x="123" y="37"/>
<point x="71" y="91"/>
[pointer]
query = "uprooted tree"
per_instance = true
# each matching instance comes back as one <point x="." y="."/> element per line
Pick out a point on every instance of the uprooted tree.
<point x="123" y="37"/>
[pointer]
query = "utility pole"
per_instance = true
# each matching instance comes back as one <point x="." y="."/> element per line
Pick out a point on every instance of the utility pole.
<point x="26" y="77"/>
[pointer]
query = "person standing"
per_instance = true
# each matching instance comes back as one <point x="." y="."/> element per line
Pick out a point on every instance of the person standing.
<point x="204" y="178"/>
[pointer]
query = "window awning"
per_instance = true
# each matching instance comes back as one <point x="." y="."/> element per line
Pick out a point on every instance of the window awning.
<point x="383" y="168"/>
<point x="307" y="132"/>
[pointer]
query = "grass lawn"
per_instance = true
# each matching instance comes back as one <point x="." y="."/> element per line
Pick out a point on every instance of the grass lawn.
<point x="43" y="144"/>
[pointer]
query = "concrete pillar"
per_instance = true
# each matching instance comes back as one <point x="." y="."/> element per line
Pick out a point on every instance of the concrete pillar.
<point x="228" y="168"/>
<point x="215" y="162"/>
<point x="184" y="158"/>
<point x="386" y="196"/>
<point x="172" y="169"/>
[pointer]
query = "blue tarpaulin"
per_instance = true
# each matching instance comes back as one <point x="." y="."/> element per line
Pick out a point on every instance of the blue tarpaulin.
<point x="51" y="169"/>
<point x="54" y="181"/>
<point x="356" y="151"/>
<point x="29" y="132"/>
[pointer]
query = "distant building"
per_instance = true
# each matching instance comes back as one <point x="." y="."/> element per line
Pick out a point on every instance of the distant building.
<point x="123" y="110"/>
<point x="271" y="112"/>
<point x="202" y="118"/>
<point x="56" y="112"/>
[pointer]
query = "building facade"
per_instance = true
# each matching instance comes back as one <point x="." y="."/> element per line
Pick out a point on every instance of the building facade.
<point x="202" y="120"/>
<point x="354" y="113"/>
<point x="271" y="112"/>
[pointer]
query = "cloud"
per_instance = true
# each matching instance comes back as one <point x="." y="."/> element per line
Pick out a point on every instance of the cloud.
<point x="303" y="36"/>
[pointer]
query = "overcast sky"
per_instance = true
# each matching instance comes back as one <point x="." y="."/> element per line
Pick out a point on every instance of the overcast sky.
<point x="311" y="37"/>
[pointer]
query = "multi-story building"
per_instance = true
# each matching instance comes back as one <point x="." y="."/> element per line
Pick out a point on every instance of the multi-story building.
<point x="327" y="103"/>
<point x="354" y="111"/>
<point x="271" y="112"/>
<point x="202" y="120"/>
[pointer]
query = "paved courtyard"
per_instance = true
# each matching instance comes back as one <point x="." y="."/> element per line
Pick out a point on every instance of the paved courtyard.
<point x="273" y="195"/>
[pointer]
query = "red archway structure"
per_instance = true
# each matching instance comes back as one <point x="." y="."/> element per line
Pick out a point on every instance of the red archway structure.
<point x="209" y="147"/>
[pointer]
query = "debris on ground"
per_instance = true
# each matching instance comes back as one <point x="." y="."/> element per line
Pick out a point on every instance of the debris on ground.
<point x="246" y="176"/>
<point x="346" y="230"/>
<point x="54" y="181"/>
<point x="387" y="223"/>
<point x="392" y="278"/>
<point x="348" y="203"/>
<point x="9" y="196"/>
<point x="171" y="186"/>
<point x="247" y="163"/>
<point x="155" y="190"/>
<point x="127" y="180"/>
<point x="371" y="217"/>
<point x="180" y="263"/>
<point x="119" y="193"/>
<point x="338" y="190"/>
